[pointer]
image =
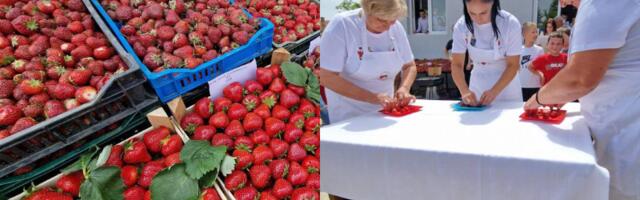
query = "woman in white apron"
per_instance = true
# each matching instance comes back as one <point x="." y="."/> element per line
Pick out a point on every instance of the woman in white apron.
<point x="604" y="73"/>
<point x="494" y="41"/>
<point x="362" y="52"/>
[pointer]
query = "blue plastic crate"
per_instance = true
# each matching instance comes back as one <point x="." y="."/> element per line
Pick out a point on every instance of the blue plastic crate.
<point x="171" y="83"/>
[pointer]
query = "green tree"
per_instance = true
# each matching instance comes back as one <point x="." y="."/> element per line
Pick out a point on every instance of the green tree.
<point x="346" y="5"/>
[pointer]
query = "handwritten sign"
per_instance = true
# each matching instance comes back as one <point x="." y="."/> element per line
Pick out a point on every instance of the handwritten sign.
<point x="240" y="74"/>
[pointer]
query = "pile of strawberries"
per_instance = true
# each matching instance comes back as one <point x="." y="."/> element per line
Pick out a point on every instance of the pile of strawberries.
<point x="52" y="59"/>
<point x="271" y="130"/>
<point x="313" y="61"/>
<point x="294" y="19"/>
<point x="181" y="33"/>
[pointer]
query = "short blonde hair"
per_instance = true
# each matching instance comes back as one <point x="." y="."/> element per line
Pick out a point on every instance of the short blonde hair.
<point x="385" y="9"/>
<point x="528" y="25"/>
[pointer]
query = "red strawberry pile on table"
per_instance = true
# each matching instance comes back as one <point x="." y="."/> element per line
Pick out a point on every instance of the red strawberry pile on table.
<point x="271" y="129"/>
<point x="313" y="61"/>
<point x="294" y="19"/>
<point x="52" y="59"/>
<point x="181" y="33"/>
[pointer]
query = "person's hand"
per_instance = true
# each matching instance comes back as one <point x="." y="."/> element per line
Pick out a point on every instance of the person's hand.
<point x="384" y="100"/>
<point x="532" y="104"/>
<point x="541" y="75"/>
<point x="469" y="98"/>
<point x="488" y="97"/>
<point x="403" y="97"/>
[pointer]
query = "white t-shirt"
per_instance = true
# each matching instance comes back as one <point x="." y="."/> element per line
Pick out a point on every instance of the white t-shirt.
<point x="313" y="44"/>
<point x="508" y="26"/>
<point x="528" y="79"/>
<point x="423" y="25"/>
<point x="342" y="37"/>
<point x="542" y="40"/>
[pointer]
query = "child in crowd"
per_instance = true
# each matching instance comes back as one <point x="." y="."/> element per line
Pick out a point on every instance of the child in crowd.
<point x="549" y="64"/>
<point x="530" y="81"/>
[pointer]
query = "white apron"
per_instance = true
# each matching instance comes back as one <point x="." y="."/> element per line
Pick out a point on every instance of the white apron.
<point x="372" y="71"/>
<point x="612" y="111"/>
<point x="488" y="66"/>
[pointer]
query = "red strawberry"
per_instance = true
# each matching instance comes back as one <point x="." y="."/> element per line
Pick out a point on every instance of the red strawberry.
<point x="82" y="51"/>
<point x="263" y="111"/>
<point x="172" y="144"/>
<point x="266" y="195"/>
<point x="129" y="175"/>
<point x="204" y="107"/>
<point x="53" y="108"/>
<point x="260" y="137"/>
<point x="184" y="52"/>
<point x="205" y="132"/>
<point x="277" y="85"/>
<point x="85" y="94"/>
<point x="262" y="154"/>
<point x="221" y="104"/>
<point x="306" y="108"/>
<point x="264" y="76"/>
<point x="214" y="34"/>
<point x="149" y="171"/>
<point x="236" y="180"/>
<point x="247" y="193"/>
<point x="244" y="158"/>
<point x="135" y="152"/>
<point x="172" y="159"/>
<point x="192" y="62"/>
<point x="312" y="124"/>
<point x="311" y="164"/>
<point x="115" y="157"/>
<point x="80" y="77"/>
<point x="292" y="134"/>
<point x="296" y="152"/>
<point x="103" y="52"/>
<point x="39" y="99"/>
<point x="289" y="99"/>
<point x="134" y="193"/>
<point x="297" y="120"/>
<point x="9" y="114"/>
<point x="219" y="120"/>
<point x="210" y="55"/>
<point x="260" y="175"/>
<point x="282" y="188"/>
<point x="313" y="181"/>
<point x="71" y="104"/>
<point x="252" y="122"/>
<point x="241" y="37"/>
<point x="166" y="33"/>
<point x="31" y="87"/>
<point x="63" y="91"/>
<point x="172" y="18"/>
<point x="276" y="71"/>
<point x="33" y="110"/>
<point x="209" y="194"/>
<point x="273" y="126"/>
<point x="153" y="60"/>
<point x="297" y="175"/>
<point x="236" y="111"/>
<point x="71" y="183"/>
<point x="281" y="112"/>
<point x="234" y="129"/>
<point x="310" y="141"/>
<point x="305" y="193"/>
<point x="190" y="122"/>
<point x="279" y="168"/>
<point x="25" y="25"/>
<point x="250" y="102"/>
<point x="21" y="124"/>
<point x="297" y="90"/>
<point x="234" y="92"/>
<point x="222" y="140"/>
<point x="153" y="138"/>
<point x="243" y="142"/>
<point x="253" y="87"/>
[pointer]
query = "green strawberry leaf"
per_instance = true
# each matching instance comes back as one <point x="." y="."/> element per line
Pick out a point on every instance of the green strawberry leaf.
<point x="313" y="95"/>
<point x="200" y="157"/>
<point x="81" y="163"/>
<point x="104" y="155"/>
<point x="174" y="184"/>
<point x="228" y="164"/>
<point x="209" y="179"/>
<point x="103" y="184"/>
<point x="314" y="82"/>
<point x="294" y="73"/>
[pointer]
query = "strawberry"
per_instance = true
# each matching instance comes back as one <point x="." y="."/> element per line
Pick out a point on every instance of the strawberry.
<point x="209" y="194"/>
<point x="297" y="120"/>
<point x="222" y="140"/>
<point x="204" y="107"/>
<point x="134" y="193"/>
<point x="244" y="158"/>
<point x="31" y="87"/>
<point x="237" y="111"/>
<point x="252" y="122"/>
<point x="241" y="37"/>
<point x="236" y="180"/>
<point x="214" y="34"/>
<point x="296" y="152"/>
<point x="247" y="193"/>
<point x="153" y="60"/>
<point x="305" y="193"/>
<point x="172" y="159"/>
<point x="82" y="51"/>
<point x="263" y="111"/>
<point x="312" y="124"/>
<point x="292" y="134"/>
<point x="48" y="193"/>
<point x="266" y="195"/>
<point x="275" y="69"/>
<point x="6" y="72"/>
<point x="71" y="104"/>
<point x="21" y="124"/>
<point x="172" y="18"/>
<point x="205" y="132"/>
<point x="250" y="102"/>
<point x="149" y="171"/>
<point x="80" y="77"/>
<point x="210" y="55"/>
<point x="310" y="141"/>
<point x="190" y="122"/>
<point x="260" y="137"/>
<point x="273" y="126"/>
<point x="154" y="10"/>
<point x="279" y="168"/>
<point x="262" y="154"/>
<point x="33" y="110"/>
<point x="219" y="120"/>
<point x="115" y="157"/>
<point x="25" y="25"/>
<point x="281" y="112"/>
<point x="306" y="108"/>
<point x="9" y="114"/>
<point x="53" y="108"/>
<point x="63" y="91"/>
<point x="289" y="99"/>
<point x="39" y="99"/>
<point x="311" y="164"/>
<point x="153" y="138"/>
<point x="297" y="90"/>
<point x="277" y="85"/>
<point x="234" y="92"/>
<point x="135" y="152"/>
<point x="264" y="76"/>
<point x="166" y="33"/>
<point x="253" y="87"/>
<point x="297" y="175"/>
<point x="103" y="52"/>
<point x="282" y="188"/>
<point x="129" y="175"/>
<point x="182" y="27"/>
<point x="260" y="175"/>
<point x="184" y="52"/>
<point x="19" y="65"/>
<point x="85" y="94"/>
<point x="192" y="62"/>
<point x="172" y="144"/>
<point x="313" y="181"/>
<point x="221" y="104"/>
<point x="71" y="183"/>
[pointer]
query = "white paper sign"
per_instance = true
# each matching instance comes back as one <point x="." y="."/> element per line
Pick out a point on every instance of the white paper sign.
<point x="241" y="74"/>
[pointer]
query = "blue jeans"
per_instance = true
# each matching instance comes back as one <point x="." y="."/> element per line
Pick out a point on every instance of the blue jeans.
<point x="324" y="113"/>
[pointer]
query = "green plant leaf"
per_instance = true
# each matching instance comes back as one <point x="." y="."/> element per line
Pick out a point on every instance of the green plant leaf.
<point x="228" y="164"/>
<point x="294" y="73"/>
<point x="104" y="156"/>
<point x="103" y="184"/>
<point x="200" y="158"/>
<point x="209" y="179"/>
<point x="313" y="95"/>
<point x="174" y="184"/>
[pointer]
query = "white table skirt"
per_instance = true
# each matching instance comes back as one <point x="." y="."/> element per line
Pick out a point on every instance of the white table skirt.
<point x="442" y="154"/>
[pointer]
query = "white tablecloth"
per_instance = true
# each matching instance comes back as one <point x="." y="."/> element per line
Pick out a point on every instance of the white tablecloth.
<point x="441" y="154"/>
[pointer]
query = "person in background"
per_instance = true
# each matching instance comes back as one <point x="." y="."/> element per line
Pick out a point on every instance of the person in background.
<point x="550" y="27"/>
<point x="423" y="23"/>
<point x="530" y="82"/>
<point x="566" y="36"/>
<point x="549" y="64"/>
<point x="603" y="72"/>
<point x="561" y="21"/>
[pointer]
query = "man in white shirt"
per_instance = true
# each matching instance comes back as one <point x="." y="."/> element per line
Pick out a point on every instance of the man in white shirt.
<point x="423" y="23"/>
